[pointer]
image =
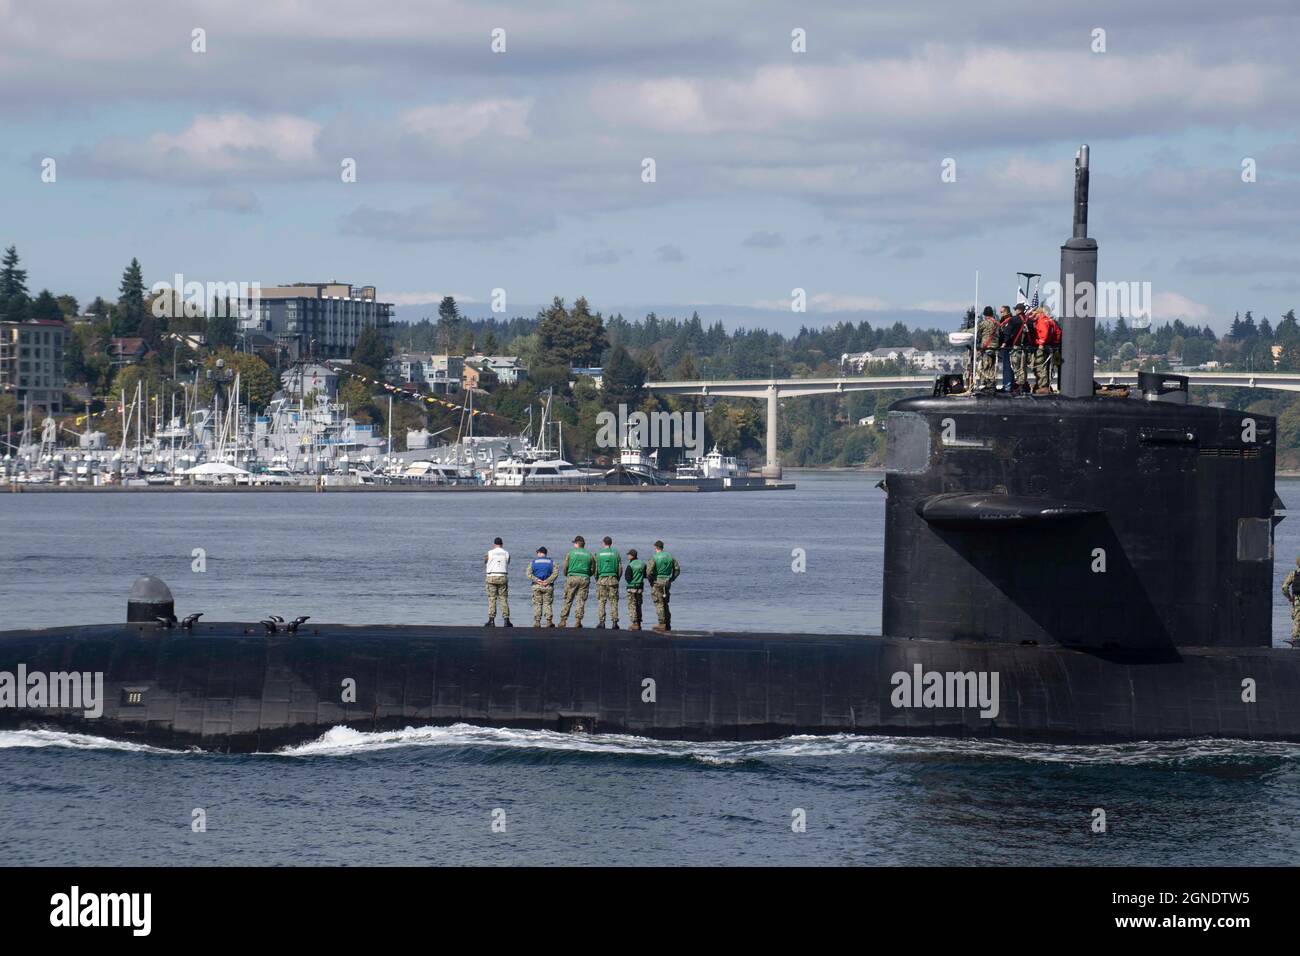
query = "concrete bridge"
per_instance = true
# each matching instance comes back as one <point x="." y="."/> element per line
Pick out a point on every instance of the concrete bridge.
<point x="775" y="389"/>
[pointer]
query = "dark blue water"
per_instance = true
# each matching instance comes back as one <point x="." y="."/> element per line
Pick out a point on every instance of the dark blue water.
<point x="428" y="796"/>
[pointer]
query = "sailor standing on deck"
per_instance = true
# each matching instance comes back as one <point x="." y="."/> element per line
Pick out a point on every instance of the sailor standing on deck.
<point x="1054" y="350"/>
<point x="635" y="576"/>
<point x="663" y="572"/>
<point x="609" y="567"/>
<point x="579" y="566"/>
<point x="987" y="336"/>
<point x="1289" y="591"/>
<point x="1018" y="336"/>
<point x="1044" y="325"/>
<point x="542" y="571"/>
<point x="1004" y="347"/>
<point x="497" y="565"/>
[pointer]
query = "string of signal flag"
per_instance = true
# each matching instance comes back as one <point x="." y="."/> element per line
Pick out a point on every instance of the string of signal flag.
<point x="430" y="399"/>
<point x="386" y="386"/>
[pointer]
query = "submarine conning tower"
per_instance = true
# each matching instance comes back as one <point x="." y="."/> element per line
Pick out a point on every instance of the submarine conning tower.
<point x="1083" y="519"/>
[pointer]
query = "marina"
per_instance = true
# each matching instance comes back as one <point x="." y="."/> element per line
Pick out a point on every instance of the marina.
<point x="313" y="444"/>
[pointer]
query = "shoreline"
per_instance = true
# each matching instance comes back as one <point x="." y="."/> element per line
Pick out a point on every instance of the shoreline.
<point x="43" y="489"/>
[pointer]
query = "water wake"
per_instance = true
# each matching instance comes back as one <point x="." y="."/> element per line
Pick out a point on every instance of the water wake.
<point x="346" y="742"/>
<point x="342" y="741"/>
<point x="59" y="739"/>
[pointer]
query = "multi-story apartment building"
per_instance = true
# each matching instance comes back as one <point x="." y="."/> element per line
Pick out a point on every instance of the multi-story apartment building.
<point x="31" y="362"/>
<point x="320" y="320"/>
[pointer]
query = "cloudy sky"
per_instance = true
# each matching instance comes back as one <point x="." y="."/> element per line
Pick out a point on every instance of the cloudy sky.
<point x="773" y="169"/>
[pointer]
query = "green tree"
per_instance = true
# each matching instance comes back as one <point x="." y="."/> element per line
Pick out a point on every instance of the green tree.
<point x="131" y="313"/>
<point x="69" y="305"/>
<point x="45" y="306"/>
<point x="359" y="398"/>
<point x="257" y="382"/>
<point x="13" y="287"/>
<point x="371" y="351"/>
<point x="623" y="379"/>
<point x="222" y="331"/>
<point x="13" y="280"/>
<point x="574" y="337"/>
<point x="449" y="324"/>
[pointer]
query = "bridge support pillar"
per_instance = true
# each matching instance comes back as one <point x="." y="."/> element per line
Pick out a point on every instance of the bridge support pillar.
<point x="772" y="468"/>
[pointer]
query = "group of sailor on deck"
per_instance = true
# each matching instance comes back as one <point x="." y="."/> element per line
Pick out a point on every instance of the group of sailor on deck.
<point x="580" y="566"/>
<point x="1018" y="340"/>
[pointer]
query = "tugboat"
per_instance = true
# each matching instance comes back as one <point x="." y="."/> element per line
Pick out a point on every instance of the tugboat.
<point x="1068" y="568"/>
<point x="635" y="467"/>
<point x="713" y="465"/>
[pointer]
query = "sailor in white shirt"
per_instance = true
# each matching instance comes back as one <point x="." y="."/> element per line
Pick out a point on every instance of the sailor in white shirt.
<point x="497" y="563"/>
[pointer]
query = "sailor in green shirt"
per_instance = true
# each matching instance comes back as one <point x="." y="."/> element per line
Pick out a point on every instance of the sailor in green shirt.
<point x="635" y="578"/>
<point x="663" y="571"/>
<point x="579" y="566"/>
<point x="609" y="567"/>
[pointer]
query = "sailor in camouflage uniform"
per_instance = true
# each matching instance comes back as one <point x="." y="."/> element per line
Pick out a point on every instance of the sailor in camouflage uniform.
<point x="662" y="571"/>
<point x="987" y="339"/>
<point x="543" y="571"/>
<point x="635" y="576"/>
<point x="1018" y="333"/>
<point x="1289" y="592"/>
<point x="496" y="563"/>
<point x="579" y="568"/>
<point x="609" y="567"/>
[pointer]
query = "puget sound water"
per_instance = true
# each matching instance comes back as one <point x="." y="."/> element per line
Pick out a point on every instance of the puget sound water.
<point x="430" y="796"/>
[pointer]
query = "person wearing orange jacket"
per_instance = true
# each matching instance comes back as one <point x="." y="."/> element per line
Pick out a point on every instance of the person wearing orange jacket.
<point x="1042" y="330"/>
<point x="1054" y="348"/>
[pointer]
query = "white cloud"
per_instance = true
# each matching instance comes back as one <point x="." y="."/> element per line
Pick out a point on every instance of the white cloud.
<point x="944" y="89"/>
<point x="458" y="124"/>
<point x="212" y="147"/>
<point x="424" y="298"/>
<point x="941" y="305"/>
<point x="1168" y="306"/>
<point x="828" y="302"/>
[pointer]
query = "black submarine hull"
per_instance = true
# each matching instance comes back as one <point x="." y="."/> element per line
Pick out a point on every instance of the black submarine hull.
<point x="229" y="687"/>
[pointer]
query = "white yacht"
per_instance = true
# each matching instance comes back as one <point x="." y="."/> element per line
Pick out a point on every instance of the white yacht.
<point x="520" y="472"/>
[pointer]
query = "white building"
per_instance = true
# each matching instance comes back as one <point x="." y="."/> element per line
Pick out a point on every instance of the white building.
<point x="926" y="360"/>
<point x="442" y="373"/>
<point x="508" y="369"/>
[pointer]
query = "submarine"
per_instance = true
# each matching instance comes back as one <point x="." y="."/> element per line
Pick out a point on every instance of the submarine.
<point x="1086" y="566"/>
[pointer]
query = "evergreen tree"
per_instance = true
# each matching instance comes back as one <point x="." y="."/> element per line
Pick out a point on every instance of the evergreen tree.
<point x="623" y="379"/>
<point x="46" y="306"/>
<point x="571" y="337"/>
<point x="13" y="280"/>
<point x="13" y="287"/>
<point x="222" y="332"/>
<point x="449" y="324"/>
<point x="130" y="304"/>
<point x="371" y="351"/>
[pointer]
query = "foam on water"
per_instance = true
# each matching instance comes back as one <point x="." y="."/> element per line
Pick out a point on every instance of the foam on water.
<point x="57" y="738"/>
<point x="345" y="742"/>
